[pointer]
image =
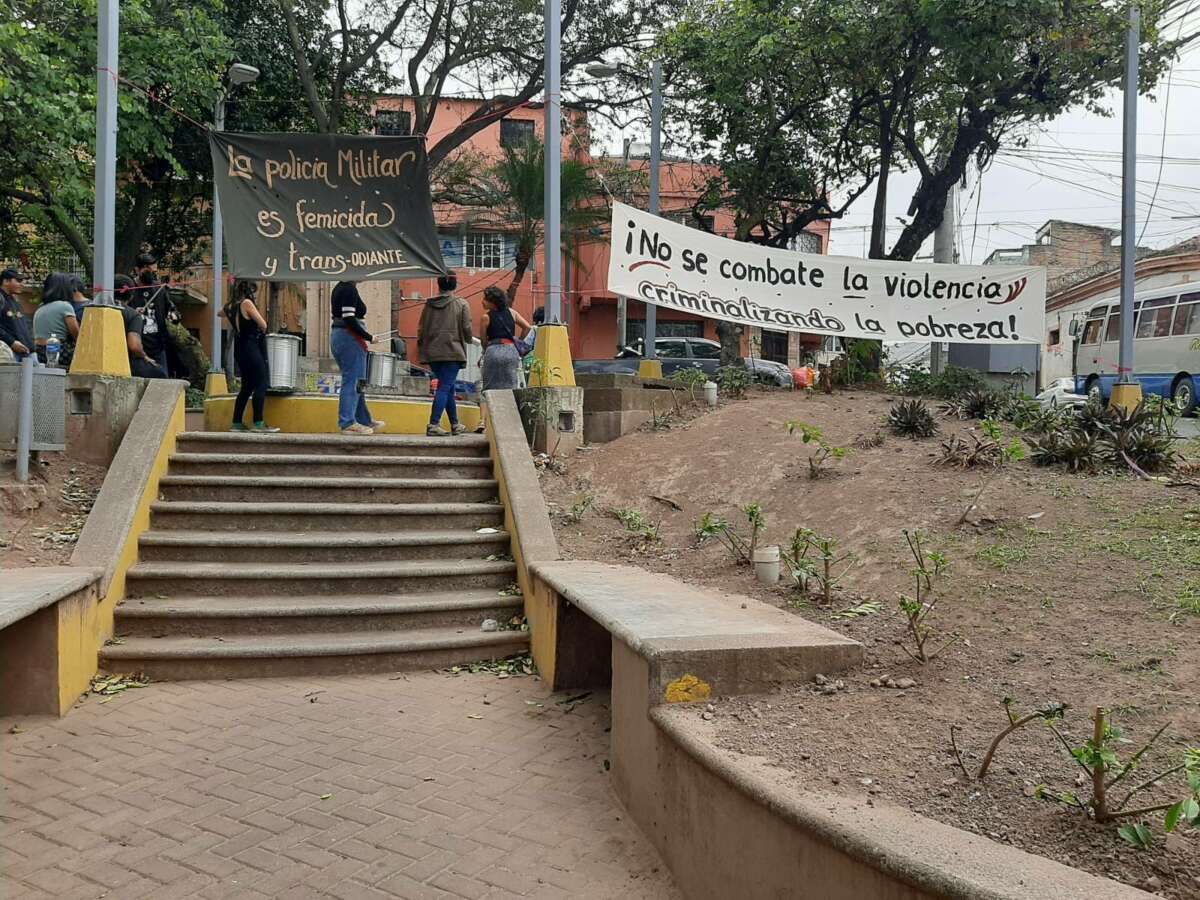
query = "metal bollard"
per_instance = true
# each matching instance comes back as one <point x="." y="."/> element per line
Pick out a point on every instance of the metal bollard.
<point x="25" y="418"/>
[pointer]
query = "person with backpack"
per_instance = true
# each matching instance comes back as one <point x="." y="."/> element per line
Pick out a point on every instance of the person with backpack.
<point x="250" y="352"/>
<point x="442" y="340"/>
<point x="154" y="303"/>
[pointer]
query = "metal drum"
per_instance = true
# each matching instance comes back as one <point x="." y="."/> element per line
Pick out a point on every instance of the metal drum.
<point x="381" y="369"/>
<point x="283" y="361"/>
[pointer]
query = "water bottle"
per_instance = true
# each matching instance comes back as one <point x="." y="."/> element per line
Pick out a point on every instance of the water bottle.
<point x="53" y="348"/>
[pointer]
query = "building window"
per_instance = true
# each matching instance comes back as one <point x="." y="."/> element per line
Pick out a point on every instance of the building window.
<point x="775" y="346"/>
<point x="393" y="122"/>
<point x="1055" y="337"/>
<point x="515" y="133"/>
<point x="483" y="250"/>
<point x="703" y="223"/>
<point x="805" y="242"/>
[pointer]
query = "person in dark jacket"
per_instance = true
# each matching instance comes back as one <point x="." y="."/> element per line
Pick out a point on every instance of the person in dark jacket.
<point x="153" y="301"/>
<point x="442" y="340"/>
<point x="141" y="365"/>
<point x="15" y="330"/>
<point x="349" y="344"/>
<point x="250" y="350"/>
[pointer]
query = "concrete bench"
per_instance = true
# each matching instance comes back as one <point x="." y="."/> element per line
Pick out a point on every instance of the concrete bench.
<point x="32" y="601"/>
<point x="729" y="643"/>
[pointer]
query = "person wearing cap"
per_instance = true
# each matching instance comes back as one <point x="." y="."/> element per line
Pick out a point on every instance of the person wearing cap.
<point x="141" y="364"/>
<point x="15" y="330"/>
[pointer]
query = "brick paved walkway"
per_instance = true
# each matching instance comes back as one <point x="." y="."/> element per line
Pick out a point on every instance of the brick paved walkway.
<point x="438" y="786"/>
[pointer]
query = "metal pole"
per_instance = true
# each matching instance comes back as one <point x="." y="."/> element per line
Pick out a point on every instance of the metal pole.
<point x="943" y="252"/>
<point x="104" y="233"/>
<point x="651" y="350"/>
<point x="622" y="302"/>
<point x="24" y="417"/>
<point x="218" y="251"/>
<point x="553" y="128"/>
<point x="1128" y="197"/>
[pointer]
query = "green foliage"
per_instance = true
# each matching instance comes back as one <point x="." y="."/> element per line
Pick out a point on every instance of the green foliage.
<point x="813" y="559"/>
<point x="691" y="379"/>
<point x="912" y="418"/>
<point x="580" y="508"/>
<point x="930" y="566"/>
<point x="950" y="383"/>
<point x="740" y="547"/>
<point x="733" y="381"/>
<point x="192" y="354"/>
<point x="811" y="434"/>
<point x="636" y="523"/>
<point x="1095" y="437"/>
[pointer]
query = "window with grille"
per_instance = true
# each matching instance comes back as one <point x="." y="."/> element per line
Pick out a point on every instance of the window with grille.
<point x="393" y="122"/>
<point x="483" y="250"/>
<point x="515" y="132"/>
<point x="806" y="242"/>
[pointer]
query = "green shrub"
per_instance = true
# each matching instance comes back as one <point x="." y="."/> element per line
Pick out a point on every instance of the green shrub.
<point x="912" y="418"/>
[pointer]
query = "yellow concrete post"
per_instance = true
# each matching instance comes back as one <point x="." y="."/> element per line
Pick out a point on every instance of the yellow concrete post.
<point x="1126" y="396"/>
<point x="215" y="384"/>
<point x="552" y="365"/>
<point x="100" y="348"/>
<point x="650" y="368"/>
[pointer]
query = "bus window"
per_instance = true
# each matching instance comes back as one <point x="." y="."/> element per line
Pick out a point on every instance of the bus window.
<point x="1092" y="327"/>
<point x="1113" y="332"/>
<point x="1155" y="320"/>
<point x="1187" y="315"/>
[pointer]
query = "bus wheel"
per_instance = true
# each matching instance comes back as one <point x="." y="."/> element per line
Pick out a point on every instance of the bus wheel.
<point x="1092" y="389"/>
<point x="1184" y="394"/>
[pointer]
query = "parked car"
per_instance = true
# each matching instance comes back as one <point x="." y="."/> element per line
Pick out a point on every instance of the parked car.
<point x="677" y="353"/>
<point x="1061" y="392"/>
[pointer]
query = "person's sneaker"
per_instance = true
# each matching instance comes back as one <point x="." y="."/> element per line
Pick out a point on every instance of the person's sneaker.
<point x="436" y="431"/>
<point x="358" y="429"/>
<point x="458" y="429"/>
<point x="237" y="426"/>
<point x="378" y="426"/>
<point x="264" y="428"/>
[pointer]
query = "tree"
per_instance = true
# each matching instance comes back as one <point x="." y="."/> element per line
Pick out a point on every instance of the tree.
<point x="510" y="196"/>
<point x="491" y="46"/>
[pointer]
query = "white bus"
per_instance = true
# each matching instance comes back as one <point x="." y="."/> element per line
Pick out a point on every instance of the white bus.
<point x="1166" y="325"/>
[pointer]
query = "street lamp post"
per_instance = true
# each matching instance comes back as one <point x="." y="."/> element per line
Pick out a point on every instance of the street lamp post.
<point x="1127" y="392"/>
<point x="605" y="70"/>
<point x="239" y="73"/>
<point x="553" y="153"/>
<point x="104" y="230"/>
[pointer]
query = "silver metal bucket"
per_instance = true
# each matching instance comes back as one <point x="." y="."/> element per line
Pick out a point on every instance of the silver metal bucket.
<point x="283" y="361"/>
<point x="381" y="369"/>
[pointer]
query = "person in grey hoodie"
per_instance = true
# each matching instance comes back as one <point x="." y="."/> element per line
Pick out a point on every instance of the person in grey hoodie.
<point x="442" y="340"/>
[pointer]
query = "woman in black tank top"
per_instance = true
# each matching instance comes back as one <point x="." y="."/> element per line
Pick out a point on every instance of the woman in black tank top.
<point x="249" y="350"/>
<point x="501" y="360"/>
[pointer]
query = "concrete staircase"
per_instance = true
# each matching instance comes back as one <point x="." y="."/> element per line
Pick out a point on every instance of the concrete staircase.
<point x="318" y="554"/>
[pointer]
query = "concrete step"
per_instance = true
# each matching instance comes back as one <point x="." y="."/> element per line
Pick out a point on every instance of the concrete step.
<point x="177" y="658"/>
<point x="317" y="489"/>
<point x="296" y="516"/>
<point x="331" y="465"/>
<point x="469" y="445"/>
<point x="313" y="614"/>
<point x="317" y="546"/>
<point x="220" y="579"/>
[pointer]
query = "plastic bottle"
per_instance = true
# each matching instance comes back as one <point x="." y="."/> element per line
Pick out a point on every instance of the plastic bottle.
<point x="53" y="349"/>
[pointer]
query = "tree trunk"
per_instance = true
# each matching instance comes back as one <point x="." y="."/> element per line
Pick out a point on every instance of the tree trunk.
<point x="273" y="307"/>
<point x="879" y="212"/>
<point x="730" y="335"/>
<point x="520" y="265"/>
<point x="133" y="229"/>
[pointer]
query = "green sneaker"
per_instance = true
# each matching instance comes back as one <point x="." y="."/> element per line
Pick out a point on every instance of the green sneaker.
<point x="264" y="428"/>
<point x="237" y="426"/>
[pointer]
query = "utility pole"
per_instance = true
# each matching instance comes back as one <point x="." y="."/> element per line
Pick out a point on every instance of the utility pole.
<point x="218" y="255"/>
<point x="1127" y="392"/>
<point x="622" y="302"/>
<point x="656" y="104"/>
<point x="553" y="129"/>
<point x="943" y="252"/>
<point x="104" y="229"/>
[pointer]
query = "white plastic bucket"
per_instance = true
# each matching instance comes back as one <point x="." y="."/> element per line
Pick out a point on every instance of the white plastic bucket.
<point x="710" y="393"/>
<point x="766" y="564"/>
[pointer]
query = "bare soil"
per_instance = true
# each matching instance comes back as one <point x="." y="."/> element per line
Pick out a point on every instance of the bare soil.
<point x="1083" y="590"/>
<point x="45" y="535"/>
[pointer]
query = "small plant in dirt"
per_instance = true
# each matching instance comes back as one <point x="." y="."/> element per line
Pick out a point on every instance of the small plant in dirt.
<point x="912" y="419"/>
<point x="1048" y="715"/>
<point x="733" y="381"/>
<point x="690" y="379"/>
<point x="870" y="441"/>
<point x="930" y="566"/>
<point x="579" y="508"/>
<point x="978" y="403"/>
<point x="811" y="434"/>
<point x="814" y="560"/>
<point x="740" y="547"/>
<point x="1104" y="770"/>
<point x="636" y="523"/>
<point x="1144" y="438"/>
<point x="1073" y="448"/>
<point x="1011" y="452"/>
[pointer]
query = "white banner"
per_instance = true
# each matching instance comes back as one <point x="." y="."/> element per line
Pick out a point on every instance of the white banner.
<point x="676" y="267"/>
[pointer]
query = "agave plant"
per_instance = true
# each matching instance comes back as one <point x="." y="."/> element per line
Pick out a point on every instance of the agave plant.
<point x="912" y="418"/>
<point x="1074" y="448"/>
<point x="978" y="452"/>
<point x="978" y="404"/>
<point x="1143" y="437"/>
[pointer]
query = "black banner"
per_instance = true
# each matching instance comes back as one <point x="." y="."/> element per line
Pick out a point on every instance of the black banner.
<point x="325" y="207"/>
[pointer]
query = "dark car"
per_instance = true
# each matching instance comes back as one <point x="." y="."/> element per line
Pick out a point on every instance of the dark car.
<point x="677" y="353"/>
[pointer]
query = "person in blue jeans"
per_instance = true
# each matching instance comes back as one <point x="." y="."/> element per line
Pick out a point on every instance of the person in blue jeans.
<point x="442" y="340"/>
<point x="349" y="344"/>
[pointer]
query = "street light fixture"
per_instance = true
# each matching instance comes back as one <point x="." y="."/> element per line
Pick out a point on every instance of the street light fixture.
<point x="237" y="74"/>
<point x="608" y="70"/>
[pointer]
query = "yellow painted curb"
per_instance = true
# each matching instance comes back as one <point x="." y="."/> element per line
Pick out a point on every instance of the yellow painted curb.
<point x="552" y="366"/>
<point x="100" y="348"/>
<point x="215" y="384"/>
<point x="650" y="368"/>
<point x="1126" y="396"/>
<point x="688" y="689"/>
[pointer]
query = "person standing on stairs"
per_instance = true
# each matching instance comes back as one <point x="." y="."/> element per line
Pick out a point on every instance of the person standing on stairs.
<point x="250" y="350"/>
<point x="349" y="344"/>
<point x="442" y="340"/>
<point x="501" y="326"/>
